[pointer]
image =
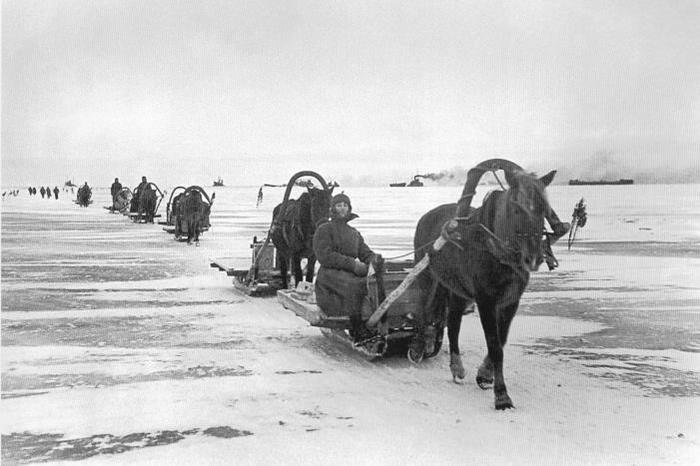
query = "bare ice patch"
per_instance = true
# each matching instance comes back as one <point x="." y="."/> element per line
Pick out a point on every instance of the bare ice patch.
<point x="27" y="447"/>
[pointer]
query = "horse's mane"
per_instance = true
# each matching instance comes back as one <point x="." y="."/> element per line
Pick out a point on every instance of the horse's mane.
<point x="529" y="185"/>
<point x="486" y="214"/>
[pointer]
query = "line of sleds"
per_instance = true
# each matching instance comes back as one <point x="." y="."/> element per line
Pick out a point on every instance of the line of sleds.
<point x="126" y="202"/>
<point x="187" y="211"/>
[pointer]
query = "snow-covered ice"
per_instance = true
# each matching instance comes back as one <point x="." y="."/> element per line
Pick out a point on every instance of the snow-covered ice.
<point x="121" y="346"/>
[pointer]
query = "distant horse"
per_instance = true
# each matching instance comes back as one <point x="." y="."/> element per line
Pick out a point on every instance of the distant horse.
<point x="488" y="258"/>
<point x="84" y="195"/>
<point x="191" y="214"/>
<point x="293" y="227"/>
<point x="147" y="203"/>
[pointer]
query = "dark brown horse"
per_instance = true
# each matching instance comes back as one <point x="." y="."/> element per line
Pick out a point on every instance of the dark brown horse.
<point x="84" y="195"/>
<point x="293" y="226"/>
<point x="488" y="258"/>
<point x="148" y="201"/>
<point x="191" y="213"/>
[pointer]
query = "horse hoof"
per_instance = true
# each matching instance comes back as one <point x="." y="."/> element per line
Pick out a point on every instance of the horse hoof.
<point x="504" y="402"/>
<point x="414" y="356"/>
<point x="456" y="367"/>
<point x="483" y="382"/>
<point x="458" y="380"/>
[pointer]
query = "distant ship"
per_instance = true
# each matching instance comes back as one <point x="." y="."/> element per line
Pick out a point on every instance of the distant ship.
<point x="414" y="183"/>
<point x="219" y="182"/>
<point x="584" y="182"/>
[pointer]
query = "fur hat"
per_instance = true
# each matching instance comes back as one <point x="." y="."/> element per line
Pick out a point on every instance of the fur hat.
<point x="342" y="197"/>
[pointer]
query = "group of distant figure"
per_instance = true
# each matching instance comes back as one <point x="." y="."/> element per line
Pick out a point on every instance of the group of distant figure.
<point x="44" y="191"/>
<point x="13" y="193"/>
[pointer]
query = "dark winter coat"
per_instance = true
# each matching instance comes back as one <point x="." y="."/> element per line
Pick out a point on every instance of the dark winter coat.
<point x="116" y="187"/>
<point x="337" y="244"/>
<point x="339" y="292"/>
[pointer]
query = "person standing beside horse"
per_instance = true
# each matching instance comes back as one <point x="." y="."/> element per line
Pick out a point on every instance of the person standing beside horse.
<point x="141" y="187"/>
<point x="116" y="187"/>
<point x="344" y="256"/>
<point x="55" y="192"/>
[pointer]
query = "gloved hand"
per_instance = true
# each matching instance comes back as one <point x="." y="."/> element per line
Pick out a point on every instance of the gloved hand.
<point x="377" y="261"/>
<point x="360" y="268"/>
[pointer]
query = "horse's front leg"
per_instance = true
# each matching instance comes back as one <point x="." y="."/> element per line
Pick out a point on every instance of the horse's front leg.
<point x="296" y="269"/>
<point x="310" y="266"/>
<point x="484" y="376"/>
<point x="495" y="321"/>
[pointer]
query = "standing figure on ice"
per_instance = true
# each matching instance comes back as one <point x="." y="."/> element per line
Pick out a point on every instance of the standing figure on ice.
<point x="344" y="256"/>
<point x="114" y="190"/>
<point x="140" y="189"/>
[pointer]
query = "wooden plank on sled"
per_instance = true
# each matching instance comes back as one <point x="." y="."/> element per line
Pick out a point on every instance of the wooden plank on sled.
<point x="135" y="214"/>
<point x="224" y="264"/>
<point x="255" y="289"/>
<point x="398" y="266"/>
<point x="308" y="311"/>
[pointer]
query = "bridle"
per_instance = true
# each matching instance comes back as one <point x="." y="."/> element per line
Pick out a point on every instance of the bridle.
<point x="508" y="251"/>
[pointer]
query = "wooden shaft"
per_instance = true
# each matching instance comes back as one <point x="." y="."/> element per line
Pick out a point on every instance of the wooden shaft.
<point x="410" y="278"/>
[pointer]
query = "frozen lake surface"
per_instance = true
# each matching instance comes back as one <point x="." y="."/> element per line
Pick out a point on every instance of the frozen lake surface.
<point x="120" y="345"/>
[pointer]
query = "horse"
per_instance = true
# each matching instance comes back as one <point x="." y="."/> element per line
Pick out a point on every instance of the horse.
<point x="292" y="231"/>
<point x="84" y="195"/>
<point x="147" y="202"/>
<point x="488" y="257"/>
<point x="192" y="215"/>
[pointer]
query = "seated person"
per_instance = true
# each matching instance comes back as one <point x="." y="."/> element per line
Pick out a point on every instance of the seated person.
<point x="344" y="257"/>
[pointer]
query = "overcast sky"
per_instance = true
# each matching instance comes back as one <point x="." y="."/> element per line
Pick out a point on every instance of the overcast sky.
<point x="361" y="91"/>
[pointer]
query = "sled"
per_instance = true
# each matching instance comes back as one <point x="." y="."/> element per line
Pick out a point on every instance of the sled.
<point x="173" y="223"/>
<point x="132" y="206"/>
<point x="268" y="279"/>
<point x="395" y="331"/>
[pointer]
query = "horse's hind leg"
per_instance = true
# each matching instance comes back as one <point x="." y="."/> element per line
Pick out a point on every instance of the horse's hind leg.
<point x="283" y="263"/>
<point x="454" y="324"/>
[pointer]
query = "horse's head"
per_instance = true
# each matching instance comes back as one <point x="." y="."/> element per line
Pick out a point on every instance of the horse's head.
<point x="320" y="203"/>
<point x="519" y="219"/>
